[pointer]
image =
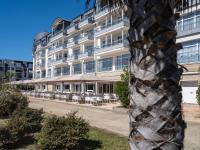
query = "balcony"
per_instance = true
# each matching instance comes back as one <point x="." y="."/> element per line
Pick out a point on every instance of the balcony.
<point x="57" y="35"/>
<point x="56" y="49"/>
<point x="86" y="37"/>
<point x="72" y="42"/>
<point x="58" y="61"/>
<point x="101" y="12"/>
<point x="87" y="54"/>
<point x="188" y="29"/>
<point x="41" y="66"/>
<point x="72" y="57"/>
<point x="115" y="46"/>
<point x="72" y="28"/>
<point x="57" y="74"/>
<point x="85" y="22"/>
<point x="116" y="25"/>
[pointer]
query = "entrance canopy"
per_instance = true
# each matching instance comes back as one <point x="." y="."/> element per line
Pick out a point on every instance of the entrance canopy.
<point x="74" y="78"/>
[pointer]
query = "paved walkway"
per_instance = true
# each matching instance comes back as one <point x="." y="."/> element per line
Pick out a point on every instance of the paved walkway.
<point x="113" y="121"/>
<point x="116" y="122"/>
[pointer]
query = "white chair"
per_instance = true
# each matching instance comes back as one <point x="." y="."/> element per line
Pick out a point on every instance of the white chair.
<point x="106" y="98"/>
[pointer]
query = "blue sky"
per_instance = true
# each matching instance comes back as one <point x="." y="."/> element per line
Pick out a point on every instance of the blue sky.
<point x="21" y="20"/>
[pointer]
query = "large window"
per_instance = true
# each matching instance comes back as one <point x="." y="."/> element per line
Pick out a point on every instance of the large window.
<point x="189" y="22"/>
<point x="66" y="70"/>
<point x="57" y="72"/>
<point x="121" y="61"/>
<point x="105" y="64"/>
<point x="77" y="69"/>
<point x="89" y="67"/>
<point x="189" y="53"/>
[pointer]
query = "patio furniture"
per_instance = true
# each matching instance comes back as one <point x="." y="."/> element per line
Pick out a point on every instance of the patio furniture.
<point x="76" y="98"/>
<point x="57" y="96"/>
<point x="106" y="98"/>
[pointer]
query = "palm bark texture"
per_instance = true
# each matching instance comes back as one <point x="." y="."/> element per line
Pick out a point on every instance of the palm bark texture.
<point x="156" y="121"/>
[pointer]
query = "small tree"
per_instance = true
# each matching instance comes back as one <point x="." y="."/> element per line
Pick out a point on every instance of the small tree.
<point x="198" y="95"/>
<point x="33" y="117"/>
<point x="121" y="88"/>
<point x="62" y="133"/>
<point x="11" y="100"/>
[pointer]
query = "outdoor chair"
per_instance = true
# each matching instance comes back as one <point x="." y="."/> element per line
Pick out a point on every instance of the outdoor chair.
<point x="106" y="98"/>
<point x="57" y="96"/>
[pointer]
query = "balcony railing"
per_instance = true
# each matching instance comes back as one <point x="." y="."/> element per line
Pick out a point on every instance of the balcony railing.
<point x="72" y="42"/>
<point x="86" y="21"/>
<point x="112" y="46"/>
<point x="187" y="29"/>
<point x="102" y="12"/>
<point x="115" y="25"/>
<point x="87" y="53"/>
<point x="86" y="37"/>
<point x="72" y="28"/>
<point x="58" y="61"/>
<point x="57" y="48"/>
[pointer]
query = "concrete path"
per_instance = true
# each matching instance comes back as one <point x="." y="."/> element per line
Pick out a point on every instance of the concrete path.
<point x="116" y="122"/>
<point x="113" y="121"/>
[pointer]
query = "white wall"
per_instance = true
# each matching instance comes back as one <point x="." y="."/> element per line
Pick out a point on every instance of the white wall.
<point x="189" y="94"/>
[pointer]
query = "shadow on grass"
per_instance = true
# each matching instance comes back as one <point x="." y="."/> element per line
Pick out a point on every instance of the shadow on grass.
<point x="25" y="141"/>
<point x="89" y="144"/>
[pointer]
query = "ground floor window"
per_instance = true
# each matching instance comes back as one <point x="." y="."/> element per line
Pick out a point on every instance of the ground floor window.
<point x="58" y="88"/>
<point x="77" y="88"/>
<point x="66" y="87"/>
<point x="90" y="87"/>
<point x="105" y="88"/>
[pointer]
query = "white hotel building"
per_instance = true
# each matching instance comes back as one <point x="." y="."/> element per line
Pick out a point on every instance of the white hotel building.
<point x="90" y="52"/>
<point x="85" y="54"/>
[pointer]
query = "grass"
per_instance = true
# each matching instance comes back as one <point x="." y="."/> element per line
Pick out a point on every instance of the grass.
<point x="98" y="139"/>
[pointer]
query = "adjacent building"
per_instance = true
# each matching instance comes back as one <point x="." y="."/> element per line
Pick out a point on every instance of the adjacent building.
<point x="188" y="28"/>
<point x="14" y="70"/>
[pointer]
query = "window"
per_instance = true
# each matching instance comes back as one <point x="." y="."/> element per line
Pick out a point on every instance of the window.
<point x="121" y="62"/>
<point x="105" y="88"/>
<point x="89" y="67"/>
<point x="189" y="22"/>
<point x="189" y="53"/>
<point x="77" y="69"/>
<point x="57" y="72"/>
<point x="66" y="87"/>
<point x="49" y="73"/>
<point x="66" y="70"/>
<point x="105" y="64"/>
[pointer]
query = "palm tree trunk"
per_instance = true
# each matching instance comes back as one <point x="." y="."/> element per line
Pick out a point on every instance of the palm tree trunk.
<point x="156" y="121"/>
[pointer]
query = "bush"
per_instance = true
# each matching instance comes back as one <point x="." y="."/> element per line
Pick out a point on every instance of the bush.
<point x="4" y="136"/>
<point x="10" y="101"/>
<point x="198" y="95"/>
<point x="62" y="133"/>
<point x="121" y="88"/>
<point x="33" y="117"/>
<point x="17" y="128"/>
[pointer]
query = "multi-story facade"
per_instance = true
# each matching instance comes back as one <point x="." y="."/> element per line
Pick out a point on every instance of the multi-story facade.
<point x="188" y="29"/>
<point x="16" y="70"/>
<point x="86" y="54"/>
<point x="90" y="52"/>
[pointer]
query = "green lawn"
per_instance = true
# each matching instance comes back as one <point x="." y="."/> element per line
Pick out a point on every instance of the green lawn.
<point x="98" y="139"/>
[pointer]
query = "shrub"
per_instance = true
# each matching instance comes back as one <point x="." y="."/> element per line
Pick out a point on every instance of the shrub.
<point x="10" y="101"/>
<point x="4" y="136"/>
<point x="33" y="117"/>
<point x="198" y="95"/>
<point x="62" y="133"/>
<point x="121" y="88"/>
<point x="17" y="128"/>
